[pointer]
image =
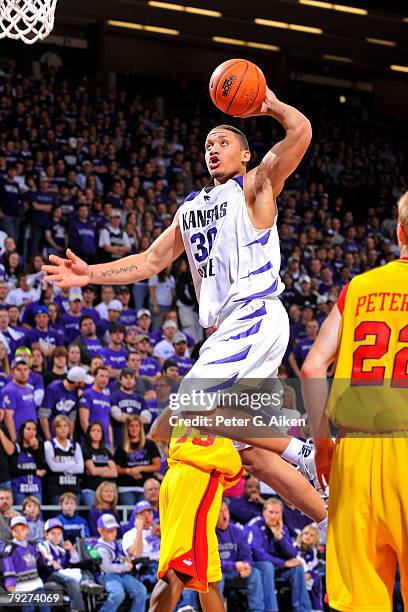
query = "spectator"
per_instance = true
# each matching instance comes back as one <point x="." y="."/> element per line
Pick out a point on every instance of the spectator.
<point x="294" y="519"/>
<point x="113" y="240"/>
<point x="149" y="367"/>
<point x="115" y="573"/>
<point x="7" y="512"/>
<point x="27" y="464"/>
<point x="236" y="561"/>
<point x="74" y="525"/>
<point x="6" y="450"/>
<point x="144" y="321"/>
<point x="17" y="398"/>
<point x="302" y="347"/>
<point x="32" y="513"/>
<point x="162" y="293"/>
<point x="82" y="234"/>
<point x="143" y="386"/>
<point x="88" y="342"/>
<point x="128" y="315"/>
<point x="151" y="494"/>
<point x="183" y="362"/>
<point x="73" y="356"/>
<point x="24" y="293"/>
<point x="271" y="544"/>
<point x="58" y="370"/>
<point x="305" y="297"/>
<point x="114" y="311"/>
<point x="56" y="555"/>
<point x="143" y="540"/>
<point x="165" y="349"/>
<point x="41" y="202"/>
<point x="107" y="295"/>
<point x="88" y="309"/>
<point x="62" y="397"/>
<point x="4" y="366"/>
<point x="71" y="319"/>
<point x="20" y="563"/>
<point x="115" y="354"/>
<point x="106" y="499"/>
<point x="38" y="363"/>
<point x="307" y="543"/>
<point x="187" y="305"/>
<point x="99" y="463"/>
<point x="136" y="459"/>
<point x="250" y="505"/>
<point x="8" y="336"/>
<point x="41" y="334"/>
<point x="65" y="461"/>
<point x="56" y="236"/>
<point x="126" y="402"/>
<point x="10" y="198"/>
<point x="95" y="405"/>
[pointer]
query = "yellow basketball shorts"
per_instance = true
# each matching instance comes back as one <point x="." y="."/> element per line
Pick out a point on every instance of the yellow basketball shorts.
<point x="190" y="502"/>
<point x="368" y="523"/>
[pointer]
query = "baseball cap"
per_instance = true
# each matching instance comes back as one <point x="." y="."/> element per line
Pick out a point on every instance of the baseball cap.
<point x="169" y="324"/>
<point x="42" y="309"/>
<point x="75" y="293"/>
<point x="107" y="521"/>
<point x="52" y="523"/>
<point x="304" y="279"/>
<point x="142" y="505"/>
<point x="142" y="312"/>
<point x="141" y="337"/>
<point x="322" y="299"/>
<point x="115" y="213"/>
<point x="18" y="520"/>
<point x="293" y="258"/>
<point x="19" y="360"/>
<point x="332" y="298"/>
<point x="78" y="374"/>
<point x="127" y="372"/>
<point x="179" y="337"/>
<point x="115" y="305"/>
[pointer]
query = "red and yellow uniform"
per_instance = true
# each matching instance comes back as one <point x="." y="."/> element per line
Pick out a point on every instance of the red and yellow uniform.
<point x="190" y="501"/>
<point x="368" y="526"/>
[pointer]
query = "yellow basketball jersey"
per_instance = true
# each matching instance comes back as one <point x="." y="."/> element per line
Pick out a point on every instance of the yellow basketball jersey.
<point x="370" y="389"/>
<point x="207" y="453"/>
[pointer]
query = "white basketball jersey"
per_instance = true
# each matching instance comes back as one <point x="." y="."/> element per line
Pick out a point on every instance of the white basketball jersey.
<point x="231" y="262"/>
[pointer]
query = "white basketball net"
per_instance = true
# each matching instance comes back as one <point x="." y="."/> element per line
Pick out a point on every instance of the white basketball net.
<point x="27" y="20"/>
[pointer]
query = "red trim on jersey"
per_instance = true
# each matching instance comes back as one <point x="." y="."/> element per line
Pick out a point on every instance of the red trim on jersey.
<point x="404" y="259"/>
<point x="194" y="562"/>
<point x="341" y="300"/>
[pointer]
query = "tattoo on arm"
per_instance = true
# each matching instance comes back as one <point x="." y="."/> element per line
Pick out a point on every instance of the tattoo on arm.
<point x="117" y="271"/>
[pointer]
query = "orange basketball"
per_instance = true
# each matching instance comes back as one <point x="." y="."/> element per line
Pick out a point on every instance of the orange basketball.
<point x="237" y="87"/>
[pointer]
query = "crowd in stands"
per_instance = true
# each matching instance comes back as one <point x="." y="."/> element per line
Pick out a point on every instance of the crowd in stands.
<point x="84" y="372"/>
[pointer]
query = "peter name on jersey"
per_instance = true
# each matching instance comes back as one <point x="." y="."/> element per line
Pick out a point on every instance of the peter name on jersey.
<point x="201" y="218"/>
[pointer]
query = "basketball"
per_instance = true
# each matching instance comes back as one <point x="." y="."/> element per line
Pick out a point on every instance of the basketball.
<point x="237" y="87"/>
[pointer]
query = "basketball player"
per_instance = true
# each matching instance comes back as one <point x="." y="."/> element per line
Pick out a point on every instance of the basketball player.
<point x="229" y="233"/>
<point x="367" y="332"/>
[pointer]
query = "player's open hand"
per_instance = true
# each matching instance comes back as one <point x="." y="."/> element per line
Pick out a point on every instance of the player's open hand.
<point x="70" y="272"/>
<point x="323" y="460"/>
<point x="266" y="106"/>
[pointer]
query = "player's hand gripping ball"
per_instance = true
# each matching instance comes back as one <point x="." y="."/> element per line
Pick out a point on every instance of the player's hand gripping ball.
<point x="238" y="87"/>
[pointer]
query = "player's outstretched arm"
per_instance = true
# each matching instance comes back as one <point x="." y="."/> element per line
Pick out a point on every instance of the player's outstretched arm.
<point x="315" y="391"/>
<point x="284" y="157"/>
<point x="74" y="272"/>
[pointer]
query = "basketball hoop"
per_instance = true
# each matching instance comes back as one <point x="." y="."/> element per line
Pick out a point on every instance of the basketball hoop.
<point x="26" y="20"/>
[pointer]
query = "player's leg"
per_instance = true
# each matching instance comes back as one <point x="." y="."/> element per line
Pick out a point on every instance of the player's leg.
<point x="285" y="480"/>
<point x="167" y="591"/>
<point x="360" y="561"/>
<point x="212" y="601"/>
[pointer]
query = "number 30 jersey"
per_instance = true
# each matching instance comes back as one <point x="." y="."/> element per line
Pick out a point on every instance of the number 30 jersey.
<point x="370" y="389"/>
<point x="231" y="261"/>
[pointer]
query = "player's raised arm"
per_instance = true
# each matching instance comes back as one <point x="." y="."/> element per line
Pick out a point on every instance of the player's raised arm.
<point x="284" y="157"/>
<point x="74" y="272"/>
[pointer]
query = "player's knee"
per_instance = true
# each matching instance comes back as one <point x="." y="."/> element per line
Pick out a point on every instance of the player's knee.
<point x="175" y="580"/>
